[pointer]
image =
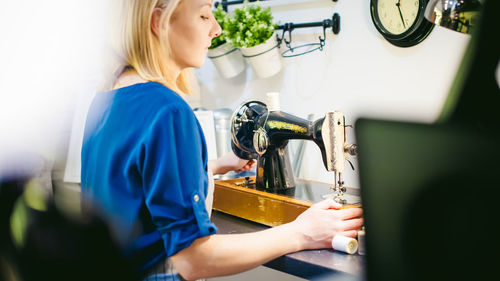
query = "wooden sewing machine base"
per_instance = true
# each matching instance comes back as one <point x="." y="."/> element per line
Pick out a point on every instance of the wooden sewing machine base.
<point x="239" y="197"/>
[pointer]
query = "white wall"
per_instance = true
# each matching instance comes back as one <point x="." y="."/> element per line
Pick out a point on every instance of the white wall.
<point x="358" y="72"/>
<point x="50" y="52"/>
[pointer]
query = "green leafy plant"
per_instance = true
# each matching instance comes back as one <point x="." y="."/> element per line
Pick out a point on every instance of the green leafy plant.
<point x="250" y="25"/>
<point x="222" y="18"/>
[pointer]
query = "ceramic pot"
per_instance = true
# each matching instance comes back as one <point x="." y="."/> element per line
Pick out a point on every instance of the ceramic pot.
<point x="227" y="60"/>
<point x="264" y="58"/>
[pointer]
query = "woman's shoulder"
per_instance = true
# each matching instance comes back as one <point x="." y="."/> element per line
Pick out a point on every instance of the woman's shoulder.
<point x="153" y="91"/>
<point x="152" y="95"/>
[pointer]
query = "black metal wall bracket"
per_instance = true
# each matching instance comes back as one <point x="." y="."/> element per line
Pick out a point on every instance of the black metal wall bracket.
<point x="333" y="23"/>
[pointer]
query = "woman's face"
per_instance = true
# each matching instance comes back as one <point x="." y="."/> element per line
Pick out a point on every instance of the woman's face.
<point x="192" y="28"/>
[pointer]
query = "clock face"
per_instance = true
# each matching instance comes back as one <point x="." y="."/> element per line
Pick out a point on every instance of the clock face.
<point x="397" y="16"/>
<point x="401" y="22"/>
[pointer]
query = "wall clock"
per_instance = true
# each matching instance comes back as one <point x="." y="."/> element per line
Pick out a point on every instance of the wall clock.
<point x="401" y="22"/>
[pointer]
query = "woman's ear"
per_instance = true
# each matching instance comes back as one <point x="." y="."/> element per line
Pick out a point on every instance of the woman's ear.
<point x="155" y="21"/>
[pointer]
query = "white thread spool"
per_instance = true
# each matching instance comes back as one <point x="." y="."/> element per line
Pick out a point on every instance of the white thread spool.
<point x="344" y="244"/>
<point x="273" y="101"/>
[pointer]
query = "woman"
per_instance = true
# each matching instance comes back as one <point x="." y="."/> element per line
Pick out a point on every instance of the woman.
<point x="144" y="161"/>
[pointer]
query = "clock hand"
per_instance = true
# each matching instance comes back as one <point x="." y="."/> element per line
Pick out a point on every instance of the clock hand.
<point x="400" y="14"/>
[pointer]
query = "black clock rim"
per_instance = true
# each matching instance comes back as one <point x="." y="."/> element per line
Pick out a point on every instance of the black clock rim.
<point x="421" y="33"/>
<point x="407" y="35"/>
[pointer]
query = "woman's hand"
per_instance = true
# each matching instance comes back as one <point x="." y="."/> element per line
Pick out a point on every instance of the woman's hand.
<point x="324" y="220"/>
<point x="231" y="162"/>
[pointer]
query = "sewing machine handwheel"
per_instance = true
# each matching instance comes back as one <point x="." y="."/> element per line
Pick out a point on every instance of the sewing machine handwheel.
<point x="243" y="126"/>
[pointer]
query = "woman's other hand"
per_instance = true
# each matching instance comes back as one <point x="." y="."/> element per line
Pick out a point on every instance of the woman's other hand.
<point x="324" y="220"/>
<point x="230" y="162"/>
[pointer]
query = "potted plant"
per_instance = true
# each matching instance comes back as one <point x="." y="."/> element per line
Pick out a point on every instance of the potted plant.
<point x="226" y="58"/>
<point x="251" y="29"/>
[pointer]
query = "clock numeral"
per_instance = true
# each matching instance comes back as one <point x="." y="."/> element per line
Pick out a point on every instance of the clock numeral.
<point x="416" y="3"/>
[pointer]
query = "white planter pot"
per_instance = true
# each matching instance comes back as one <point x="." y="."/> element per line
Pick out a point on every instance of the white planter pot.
<point x="264" y="59"/>
<point x="227" y="59"/>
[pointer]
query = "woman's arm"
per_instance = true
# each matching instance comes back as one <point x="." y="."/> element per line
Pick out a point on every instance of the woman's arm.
<point x="218" y="255"/>
<point x="230" y="162"/>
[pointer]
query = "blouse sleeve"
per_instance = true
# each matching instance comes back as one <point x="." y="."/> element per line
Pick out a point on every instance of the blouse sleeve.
<point x="175" y="180"/>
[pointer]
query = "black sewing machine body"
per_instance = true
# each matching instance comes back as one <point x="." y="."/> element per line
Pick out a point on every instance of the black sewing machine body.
<point x="263" y="135"/>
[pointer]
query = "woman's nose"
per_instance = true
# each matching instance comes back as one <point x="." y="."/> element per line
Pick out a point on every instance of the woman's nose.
<point x="216" y="30"/>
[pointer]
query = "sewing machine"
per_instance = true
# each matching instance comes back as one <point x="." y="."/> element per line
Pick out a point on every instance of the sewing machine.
<point x="262" y="132"/>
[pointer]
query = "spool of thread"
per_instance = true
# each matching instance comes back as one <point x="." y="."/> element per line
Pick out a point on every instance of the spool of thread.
<point x="273" y="101"/>
<point x="344" y="244"/>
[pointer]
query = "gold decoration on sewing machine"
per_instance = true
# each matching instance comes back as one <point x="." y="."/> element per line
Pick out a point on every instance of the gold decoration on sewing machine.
<point x="286" y="126"/>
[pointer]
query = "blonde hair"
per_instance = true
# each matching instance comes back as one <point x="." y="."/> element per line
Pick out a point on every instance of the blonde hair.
<point x="147" y="53"/>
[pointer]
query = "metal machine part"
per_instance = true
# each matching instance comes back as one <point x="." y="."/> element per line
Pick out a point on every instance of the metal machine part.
<point x="263" y="135"/>
<point x="337" y="150"/>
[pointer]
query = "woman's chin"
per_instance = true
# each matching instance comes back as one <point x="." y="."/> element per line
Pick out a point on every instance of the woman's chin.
<point x="194" y="64"/>
<point x="199" y="63"/>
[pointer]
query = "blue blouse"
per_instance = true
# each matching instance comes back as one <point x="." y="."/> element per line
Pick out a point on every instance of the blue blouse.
<point x="144" y="162"/>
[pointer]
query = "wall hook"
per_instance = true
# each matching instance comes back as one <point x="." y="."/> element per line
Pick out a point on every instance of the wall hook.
<point x="333" y="23"/>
